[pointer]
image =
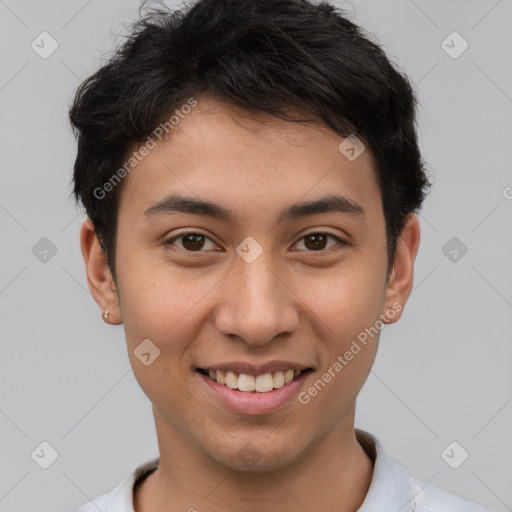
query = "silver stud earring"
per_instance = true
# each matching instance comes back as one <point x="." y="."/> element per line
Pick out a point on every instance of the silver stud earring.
<point x="105" y="314"/>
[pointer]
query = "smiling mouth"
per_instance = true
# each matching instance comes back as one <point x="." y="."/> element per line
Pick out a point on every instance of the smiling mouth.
<point x="254" y="383"/>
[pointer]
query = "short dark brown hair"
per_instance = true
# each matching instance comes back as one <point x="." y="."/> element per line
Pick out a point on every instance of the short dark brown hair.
<point x="275" y="56"/>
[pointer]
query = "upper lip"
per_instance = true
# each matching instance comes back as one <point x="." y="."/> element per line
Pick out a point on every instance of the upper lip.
<point x="256" y="369"/>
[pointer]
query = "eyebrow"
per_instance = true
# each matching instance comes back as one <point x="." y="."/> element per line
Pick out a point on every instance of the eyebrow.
<point x="325" y="204"/>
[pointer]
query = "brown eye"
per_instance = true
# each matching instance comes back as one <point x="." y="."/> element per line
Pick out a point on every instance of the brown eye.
<point x="318" y="241"/>
<point x="191" y="242"/>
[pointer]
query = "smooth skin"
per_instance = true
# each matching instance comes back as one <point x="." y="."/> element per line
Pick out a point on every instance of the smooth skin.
<point x="303" y="300"/>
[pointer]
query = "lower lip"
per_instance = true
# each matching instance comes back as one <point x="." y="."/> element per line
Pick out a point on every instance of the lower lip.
<point x="242" y="402"/>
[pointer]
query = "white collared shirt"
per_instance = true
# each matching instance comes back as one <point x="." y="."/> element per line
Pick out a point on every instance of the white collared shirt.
<point x="392" y="489"/>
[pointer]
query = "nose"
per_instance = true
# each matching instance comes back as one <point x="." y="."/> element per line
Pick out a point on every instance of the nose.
<point x="257" y="303"/>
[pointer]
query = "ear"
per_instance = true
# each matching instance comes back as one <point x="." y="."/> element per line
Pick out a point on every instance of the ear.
<point x="401" y="277"/>
<point x="99" y="277"/>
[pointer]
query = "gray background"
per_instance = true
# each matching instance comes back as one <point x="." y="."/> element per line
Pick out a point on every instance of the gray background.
<point x="443" y="373"/>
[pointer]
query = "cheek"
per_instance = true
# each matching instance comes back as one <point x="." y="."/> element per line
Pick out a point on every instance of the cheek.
<point x="346" y="300"/>
<point x="161" y="308"/>
<point x="347" y="307"/>
<point x="349" y="330"/>
<point x="161" y="305"/>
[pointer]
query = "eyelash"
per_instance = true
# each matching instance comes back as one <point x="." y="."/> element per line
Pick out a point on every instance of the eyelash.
<point x="171" y="240"/>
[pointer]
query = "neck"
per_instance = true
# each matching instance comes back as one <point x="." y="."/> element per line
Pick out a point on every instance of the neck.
<point x="334" y="475"/>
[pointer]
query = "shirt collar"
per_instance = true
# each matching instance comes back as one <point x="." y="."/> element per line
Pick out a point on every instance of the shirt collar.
<point x="390" y="488"/>
<point x="121" y="497"/>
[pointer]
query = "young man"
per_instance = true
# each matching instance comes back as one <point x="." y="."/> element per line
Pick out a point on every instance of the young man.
<point x="250" y="171"/>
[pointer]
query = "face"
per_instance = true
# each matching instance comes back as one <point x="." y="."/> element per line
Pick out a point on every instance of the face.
<point x="285" y="274"/>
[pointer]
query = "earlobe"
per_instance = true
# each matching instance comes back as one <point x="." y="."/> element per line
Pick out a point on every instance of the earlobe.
<point x="99" y="278"/>
<point x="400" y="280"/>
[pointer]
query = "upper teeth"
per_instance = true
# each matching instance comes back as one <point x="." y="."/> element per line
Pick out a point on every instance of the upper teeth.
<point x="259" y="383"/>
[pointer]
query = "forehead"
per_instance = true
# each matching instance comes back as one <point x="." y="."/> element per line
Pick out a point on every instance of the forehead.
<point x="248" y="160"/>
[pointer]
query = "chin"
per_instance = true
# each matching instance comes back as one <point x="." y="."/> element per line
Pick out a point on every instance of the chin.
<point x="255" y="454"/>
